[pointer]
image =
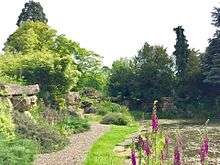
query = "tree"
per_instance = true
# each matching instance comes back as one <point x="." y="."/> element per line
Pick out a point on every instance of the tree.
<point x="210" y="61"/>
<point x="32" y="11"/>
<point x="153" y="75"/>
<point x="31" y="36"/>
<point x="120" y="79"/>
<point x="181" y="52"/>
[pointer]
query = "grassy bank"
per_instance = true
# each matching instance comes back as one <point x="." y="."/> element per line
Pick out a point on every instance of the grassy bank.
<point x="102" y="151"/>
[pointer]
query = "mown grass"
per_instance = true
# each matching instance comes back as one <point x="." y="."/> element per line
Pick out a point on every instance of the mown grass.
<point x="102" y="153"/>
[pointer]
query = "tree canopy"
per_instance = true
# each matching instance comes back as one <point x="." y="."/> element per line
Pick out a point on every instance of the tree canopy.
<point x="32" y="11"/>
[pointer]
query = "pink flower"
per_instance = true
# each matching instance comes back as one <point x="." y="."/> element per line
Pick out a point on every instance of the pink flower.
<point x="154" y="122"/>
<point x="203" y="153"/>
<point x="133" y="157"/>
<point x="177" y="156"/>
<point x="144" y="145"/>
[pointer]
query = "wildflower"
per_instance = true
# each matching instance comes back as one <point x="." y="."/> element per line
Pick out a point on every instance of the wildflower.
<point x="154" y="122"/>
<point x="144" y="144"/>
<point x="203" y="153"/>
<point x="133" y="157"/>
<point x="177" y="156"/>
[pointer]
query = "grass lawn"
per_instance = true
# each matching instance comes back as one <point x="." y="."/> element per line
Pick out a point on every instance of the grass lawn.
<point x="102" y="151"/>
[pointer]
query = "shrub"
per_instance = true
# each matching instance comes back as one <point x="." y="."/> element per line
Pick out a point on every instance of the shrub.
<point x="115" y="118"/>
<point x="17" y="151"/>
<point x="105" y="107"/>
<point x="7" y="127"/>
<point x="73" y="125"/>
<point x="48" y="138"/>
<point x="55" y="74"/>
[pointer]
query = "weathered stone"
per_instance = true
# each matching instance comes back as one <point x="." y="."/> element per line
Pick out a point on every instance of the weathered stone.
<point x="88" y="110"/>
<point x="22" y="104"/>
<point x="18" y="90"/>
<point x="73" y="98"/>
<point x="86" y="104"/>
<point x="125" y="143"/>
<point x="74" y="111"/>
<point x="92" y="93"/>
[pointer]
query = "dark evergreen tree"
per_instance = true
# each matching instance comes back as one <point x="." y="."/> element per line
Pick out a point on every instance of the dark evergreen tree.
<point x="211" y="59"/>
<point x="32" y="11"/>
<point x="181" y="52"/>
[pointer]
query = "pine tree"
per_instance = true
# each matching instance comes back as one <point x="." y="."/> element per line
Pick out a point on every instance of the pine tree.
<point x="211" y="59"/>
<point x="181" y="52"/>
<point x="32" y="11"/>
<point x="213" y="75"/>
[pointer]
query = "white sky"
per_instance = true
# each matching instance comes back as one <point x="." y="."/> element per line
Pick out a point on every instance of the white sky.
<point x="118" y="28"/>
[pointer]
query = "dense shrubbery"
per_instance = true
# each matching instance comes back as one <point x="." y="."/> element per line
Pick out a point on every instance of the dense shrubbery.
<point x="48" y="138"/>
<point x="115" y="118"/>
<point x="17" y="151"/>
<point x="104" y="107"/>
<point x="73" y="125"/>
<point x="7" y="126"/>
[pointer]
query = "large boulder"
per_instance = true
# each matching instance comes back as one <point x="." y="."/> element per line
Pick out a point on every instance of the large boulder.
<point x="73" y="98"/>
<point x="23" y="103"/>
<point x="18" y="90"/>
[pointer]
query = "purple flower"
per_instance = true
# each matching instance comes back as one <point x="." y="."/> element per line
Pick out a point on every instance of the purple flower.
<point x="177" y="156"/>
<point x="144" y="145"/>
<point x="133" y="157"/>
<point x="203" y="153"/>
<point x="154" y="122"/>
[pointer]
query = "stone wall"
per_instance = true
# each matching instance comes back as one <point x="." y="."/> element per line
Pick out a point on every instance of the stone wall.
<point x="22" y="98"/>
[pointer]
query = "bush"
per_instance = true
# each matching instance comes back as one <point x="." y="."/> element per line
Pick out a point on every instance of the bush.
<point x="17" y="151"/>
<point x="48" y="139"/>
<point x="115" y="118"/>
<point x="105" y="107"/>
<point x="54" y="73"/>
<point x="73" y="125"/>
<point x="7" y="127"/>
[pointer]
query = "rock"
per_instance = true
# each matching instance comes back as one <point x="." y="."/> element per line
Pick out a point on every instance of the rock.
<point x="86" y="104"/>
<point x="122" y="152"/>
<point x="88" y="110"/>
<point x="73" y="98"/>
<point x="92" y="93"/>
<point x="74" y="111"/>
<point x="18" y="90"/>
<point x="125" y="143"/>
<point x="23" y="103"/>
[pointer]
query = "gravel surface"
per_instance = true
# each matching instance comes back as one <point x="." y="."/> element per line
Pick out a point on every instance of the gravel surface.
<point x="75" y="152"/>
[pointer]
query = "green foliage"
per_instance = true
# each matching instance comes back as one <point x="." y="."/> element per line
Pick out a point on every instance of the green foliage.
<point x="73" y="125"/>
<point x="7" y="126"/>
<point x="121" y="79"/>
<point x="48" y="139"/>
<point x="32" y="11"/>
<point x="181" y="53"/>
<point x="31" y="36"/>
<point x="153" y="74"/>
<point x="93" y="75"/>
<point x="17" y="151"/>
<point x="115" y="118"/>
<point x="147" y="76"/>
<point x="105" y="107"/>
<point x="55" y="74"/>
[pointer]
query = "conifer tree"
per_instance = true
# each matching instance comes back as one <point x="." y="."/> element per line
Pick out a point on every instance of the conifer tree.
<point x="32" y="11"/>
<point x="181" y="52"/>
<point x="211" y="59"/>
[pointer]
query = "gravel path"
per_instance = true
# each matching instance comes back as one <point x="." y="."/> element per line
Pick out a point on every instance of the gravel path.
<point x="75" y="152"/>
